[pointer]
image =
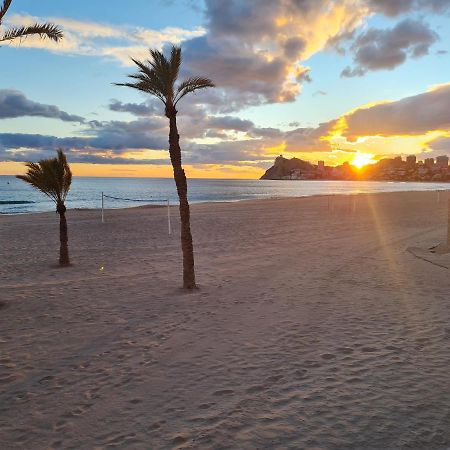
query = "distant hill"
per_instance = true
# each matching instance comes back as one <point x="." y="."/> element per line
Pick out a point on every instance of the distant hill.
<point x="283" y="168"/>
<point x="388" y="169"/>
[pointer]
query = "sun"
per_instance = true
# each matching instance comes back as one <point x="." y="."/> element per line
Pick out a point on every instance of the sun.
<point x="362" y="159"/>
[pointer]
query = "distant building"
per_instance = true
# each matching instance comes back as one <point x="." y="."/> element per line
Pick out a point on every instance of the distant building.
<point x="411" y="161"/>
<point x="429" y="162"/>
<point x="394" y="169"/>
<point x="442" y="162"/>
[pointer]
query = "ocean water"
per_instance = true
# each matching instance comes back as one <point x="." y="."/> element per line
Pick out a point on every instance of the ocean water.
<point x="17" y="197"/>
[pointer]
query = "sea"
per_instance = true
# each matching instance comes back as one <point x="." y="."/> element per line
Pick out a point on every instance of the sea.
<point x="17" y="197"/>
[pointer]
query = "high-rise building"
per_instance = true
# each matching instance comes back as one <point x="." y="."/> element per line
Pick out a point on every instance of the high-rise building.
<point x="442" y="162"/>
<point x="411" y="161"/>
<point x="429" y="163"/>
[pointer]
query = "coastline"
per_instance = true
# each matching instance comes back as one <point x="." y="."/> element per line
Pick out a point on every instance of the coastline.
<point x="212" y="202"/>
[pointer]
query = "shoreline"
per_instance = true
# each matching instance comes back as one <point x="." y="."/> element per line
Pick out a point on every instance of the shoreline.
<point x="212" y="202"/>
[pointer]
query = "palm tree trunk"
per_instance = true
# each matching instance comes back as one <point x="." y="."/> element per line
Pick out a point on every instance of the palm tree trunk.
<point x="63" y="236"/>
<point x="181" y="183"/>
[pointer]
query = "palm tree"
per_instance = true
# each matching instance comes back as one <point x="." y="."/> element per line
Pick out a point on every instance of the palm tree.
<point x="158" y="76"/>
<point x="53" y="177"/>
<point x="48" y="30"/>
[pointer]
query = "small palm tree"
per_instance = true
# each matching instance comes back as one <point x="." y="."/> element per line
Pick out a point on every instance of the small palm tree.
<point x="48" y="30"/>
<point x="53" y="177"/>
<point x="158" y="76"/>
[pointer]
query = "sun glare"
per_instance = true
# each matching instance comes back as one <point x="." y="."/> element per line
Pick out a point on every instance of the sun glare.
<point x="362" y="159"/>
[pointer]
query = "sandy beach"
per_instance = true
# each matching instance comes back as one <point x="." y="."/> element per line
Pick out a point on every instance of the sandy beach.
<point x="316" y="326"/>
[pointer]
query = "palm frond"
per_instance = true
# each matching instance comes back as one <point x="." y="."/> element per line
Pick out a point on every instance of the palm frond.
<point x="46" y="30"/>
<point x="4" y="9"/>
<point x="157" y="81"/>
<point x="158" y="75"/>
<point x="143" y="87"/>
<point x="153" y="77"/>
<point x="191" y="85"/>
<point x="175" y="63"/>
<point x="52" y="177"/>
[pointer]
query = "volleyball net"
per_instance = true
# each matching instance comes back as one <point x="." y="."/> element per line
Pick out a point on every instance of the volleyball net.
<point x="161" y="202"/>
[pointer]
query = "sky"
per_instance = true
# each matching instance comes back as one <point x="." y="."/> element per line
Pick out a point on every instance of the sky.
<point x="332" y="80"/>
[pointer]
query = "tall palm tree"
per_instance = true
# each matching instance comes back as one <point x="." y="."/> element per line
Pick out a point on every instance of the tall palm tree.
<point x="158" y="76"/>
<point x="53" y="177"/>
<point x="48" y="30"/>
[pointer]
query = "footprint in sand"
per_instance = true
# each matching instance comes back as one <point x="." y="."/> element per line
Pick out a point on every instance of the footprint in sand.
<point x="60" y="425"/>
<point x="205" y="405"/>
<point x="156" y="426"/>
<point x="223" y="392"/>
<point x="122" y="439"/>
<point x="369" y="349"/>
<point x="274" y="378"/>
<point x="328" y="356"/>
<point x="345" y="350"/>
<point x="179" y="440"/>
<point x="46" y="380"/>
<point x="255" y="389"/>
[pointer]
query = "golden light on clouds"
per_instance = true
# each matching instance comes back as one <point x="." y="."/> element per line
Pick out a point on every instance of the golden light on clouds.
<point x="146" y="154"/>
<point x="147" y="170"/>
<point x="436" y="87"/>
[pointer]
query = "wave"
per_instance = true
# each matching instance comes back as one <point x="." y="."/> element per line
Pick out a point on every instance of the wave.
<point x="15" y="202"/>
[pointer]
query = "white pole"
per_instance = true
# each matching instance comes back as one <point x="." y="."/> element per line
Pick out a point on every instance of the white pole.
<point x="448" y="225"/>
<point x="103" y="204"/>
<point x="168" y="217"/>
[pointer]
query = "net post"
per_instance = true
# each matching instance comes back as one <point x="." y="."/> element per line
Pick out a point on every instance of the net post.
<point x="168" y="217"/>
<point x="103" y="204"/>
<point x="448" y="224"/>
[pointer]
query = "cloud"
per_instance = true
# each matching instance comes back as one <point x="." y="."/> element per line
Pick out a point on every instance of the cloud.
<point x="413" y="115"/>
<point x="254" y="50"/>
<point x="234" y="140"/>
<point x="377" y="49"/>
<point x="113" y="42"/>
<point x="13" y="104"/>
<point x="439" y="146"/>
<point x="196" y="120"/>
<point x="149" y="108"/>
<point x="113" y="137"/>
<point x="227" y="139"/>
<point x="394" y="8"/>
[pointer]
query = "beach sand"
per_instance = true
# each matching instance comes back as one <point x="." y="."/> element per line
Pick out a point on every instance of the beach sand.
<point x="314" y="327"/>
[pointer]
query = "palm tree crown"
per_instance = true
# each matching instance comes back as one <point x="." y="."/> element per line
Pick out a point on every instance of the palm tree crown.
<point x="51" y="176"/>
<point x="158" y="76"/>
<point x="48" y="30"/>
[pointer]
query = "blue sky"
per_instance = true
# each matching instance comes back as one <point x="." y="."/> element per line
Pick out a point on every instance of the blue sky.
<point x="292" y="102"/>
